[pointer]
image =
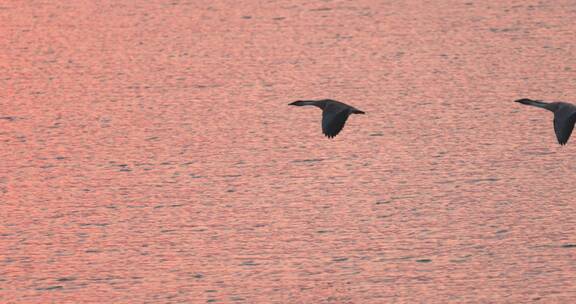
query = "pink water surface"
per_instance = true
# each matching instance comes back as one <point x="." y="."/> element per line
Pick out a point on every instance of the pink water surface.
<point x="148" y="154"/>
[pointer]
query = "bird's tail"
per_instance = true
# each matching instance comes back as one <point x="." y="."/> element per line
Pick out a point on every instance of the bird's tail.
<point x="530" y="102"/>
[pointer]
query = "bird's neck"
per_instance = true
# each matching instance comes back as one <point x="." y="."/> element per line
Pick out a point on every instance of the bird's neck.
<point x="307" y="103"/>
<point x="544" y="105"/>
<point x="318" y="103"/>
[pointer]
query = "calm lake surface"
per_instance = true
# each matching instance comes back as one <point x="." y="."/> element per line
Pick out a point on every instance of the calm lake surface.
<point x="148" y="154"/>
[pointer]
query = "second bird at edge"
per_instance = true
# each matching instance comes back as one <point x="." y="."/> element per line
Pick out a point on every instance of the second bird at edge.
<point x="564" y="116"/>
<point x="334" y="114"/>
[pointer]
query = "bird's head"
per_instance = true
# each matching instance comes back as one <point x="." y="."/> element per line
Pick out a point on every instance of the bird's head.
<point x="524" y="101"/>
<point x="298" y="103"/>
<point x="318" y="103"/>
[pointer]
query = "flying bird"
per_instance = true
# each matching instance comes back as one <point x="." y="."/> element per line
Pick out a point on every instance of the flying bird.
<point x="564" y="116"/>
<point x="334" y="114"/>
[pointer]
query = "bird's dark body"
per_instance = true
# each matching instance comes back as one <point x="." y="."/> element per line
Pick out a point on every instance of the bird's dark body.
<point x="334" y="114"/>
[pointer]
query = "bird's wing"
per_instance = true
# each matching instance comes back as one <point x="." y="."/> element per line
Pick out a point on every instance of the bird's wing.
<point x="333" y="121"/>
<point x="564" y="124"/>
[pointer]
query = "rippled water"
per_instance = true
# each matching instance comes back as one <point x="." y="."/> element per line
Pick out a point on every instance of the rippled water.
<point x="149" y="154"/>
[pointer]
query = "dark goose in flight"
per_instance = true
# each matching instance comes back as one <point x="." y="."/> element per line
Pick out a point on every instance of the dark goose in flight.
<point x="334" y="114"/>
<point x="564" y="116"/>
